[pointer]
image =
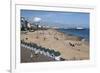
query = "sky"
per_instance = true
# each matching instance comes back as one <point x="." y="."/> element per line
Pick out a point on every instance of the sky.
<point x="58" y="19"/>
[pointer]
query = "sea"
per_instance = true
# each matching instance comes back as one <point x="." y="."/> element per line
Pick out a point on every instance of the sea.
<point x="83" y="33"/>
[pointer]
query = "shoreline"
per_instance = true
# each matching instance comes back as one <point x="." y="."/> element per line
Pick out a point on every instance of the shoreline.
<point x="70" y="34"/>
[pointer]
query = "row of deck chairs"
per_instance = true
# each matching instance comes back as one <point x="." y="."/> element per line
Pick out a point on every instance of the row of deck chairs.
<point x="42" y="50"/>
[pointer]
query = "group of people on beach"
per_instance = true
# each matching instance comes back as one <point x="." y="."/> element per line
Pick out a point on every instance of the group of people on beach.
<point x="73" y="45"/>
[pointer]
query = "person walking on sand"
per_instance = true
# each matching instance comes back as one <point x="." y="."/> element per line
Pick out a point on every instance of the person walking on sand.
<point x="29" y="26"/>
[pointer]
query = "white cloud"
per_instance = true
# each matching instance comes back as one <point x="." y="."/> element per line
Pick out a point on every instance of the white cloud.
<point x="37" y="19"/>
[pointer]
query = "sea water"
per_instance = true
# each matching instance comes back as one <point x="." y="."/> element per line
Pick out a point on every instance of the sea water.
<point x="83" y="33"/>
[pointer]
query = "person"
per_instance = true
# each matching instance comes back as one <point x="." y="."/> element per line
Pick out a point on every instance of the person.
<point x="29" y="26"/>
<point x="71" y="44"/>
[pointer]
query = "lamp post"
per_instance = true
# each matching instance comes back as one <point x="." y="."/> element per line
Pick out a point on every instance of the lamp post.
<point x="37" y="21"/>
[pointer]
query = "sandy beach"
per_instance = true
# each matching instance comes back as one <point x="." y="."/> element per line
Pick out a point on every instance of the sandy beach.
<point x="70" y="47"/>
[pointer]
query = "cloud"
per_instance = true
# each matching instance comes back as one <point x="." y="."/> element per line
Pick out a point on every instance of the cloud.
<point x="37" y="19"/>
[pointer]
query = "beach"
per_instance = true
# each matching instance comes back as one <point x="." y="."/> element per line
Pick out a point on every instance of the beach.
<point x="71" y="47"/>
